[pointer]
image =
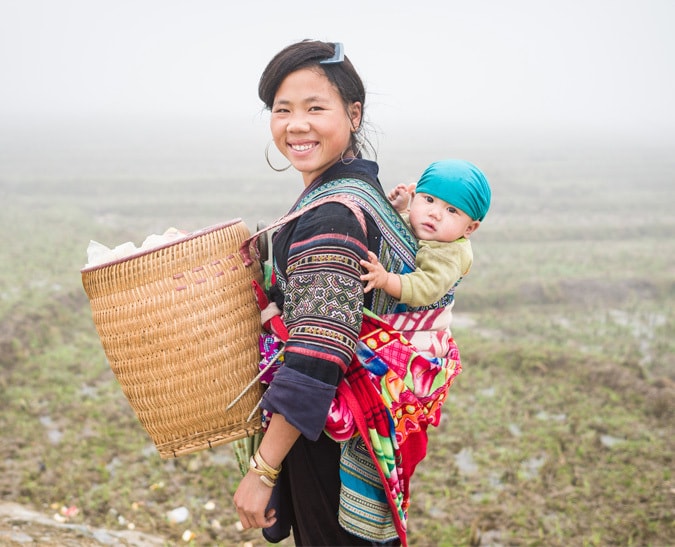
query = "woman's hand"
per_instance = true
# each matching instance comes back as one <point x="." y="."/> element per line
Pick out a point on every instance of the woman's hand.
<point x="251" y="499"/>
<point x="253" y="495"/>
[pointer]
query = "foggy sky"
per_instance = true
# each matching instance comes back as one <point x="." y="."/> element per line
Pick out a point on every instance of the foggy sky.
<point x="604" y="64"/>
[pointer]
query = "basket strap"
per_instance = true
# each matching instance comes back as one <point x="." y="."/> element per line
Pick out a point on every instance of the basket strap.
<point x="249" y="247"/>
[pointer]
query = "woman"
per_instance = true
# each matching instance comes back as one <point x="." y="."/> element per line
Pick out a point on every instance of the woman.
<point x="317" y="101"/>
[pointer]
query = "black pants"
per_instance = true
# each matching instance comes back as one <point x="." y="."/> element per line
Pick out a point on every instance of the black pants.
<point x="309" y="502"/>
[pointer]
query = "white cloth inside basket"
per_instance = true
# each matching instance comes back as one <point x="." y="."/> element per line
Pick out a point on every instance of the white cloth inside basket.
<point x="98" y="254"/>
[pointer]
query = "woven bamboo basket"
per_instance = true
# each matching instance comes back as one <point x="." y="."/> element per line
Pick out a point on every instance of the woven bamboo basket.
<point x="179" y="325"/>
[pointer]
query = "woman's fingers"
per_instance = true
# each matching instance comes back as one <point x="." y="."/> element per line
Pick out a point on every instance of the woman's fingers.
<point x="270" y="518"/>
<point x="253" y="520"/>
<point x="251" y="500"/>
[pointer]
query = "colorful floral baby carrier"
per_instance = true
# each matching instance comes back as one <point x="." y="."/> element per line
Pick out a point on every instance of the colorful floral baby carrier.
<point x="392" y="391"/>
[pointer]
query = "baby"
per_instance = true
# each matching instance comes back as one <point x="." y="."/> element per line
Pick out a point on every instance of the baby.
<point x="447" y="205"/>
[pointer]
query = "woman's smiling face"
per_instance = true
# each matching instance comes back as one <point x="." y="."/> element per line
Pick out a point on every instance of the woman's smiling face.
<point x="310" y="124"/>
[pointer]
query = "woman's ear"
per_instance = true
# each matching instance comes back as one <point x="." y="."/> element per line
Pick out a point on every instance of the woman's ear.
<point x="354" y="112"/>
<point x="471" y="228"/>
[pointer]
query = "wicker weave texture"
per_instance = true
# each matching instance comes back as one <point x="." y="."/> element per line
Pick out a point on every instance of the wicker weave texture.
<point x="179" y="326"/>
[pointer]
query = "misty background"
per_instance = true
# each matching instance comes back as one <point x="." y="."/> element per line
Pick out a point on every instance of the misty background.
<point x="119" y="119"/>
<point x="169" y="88"/>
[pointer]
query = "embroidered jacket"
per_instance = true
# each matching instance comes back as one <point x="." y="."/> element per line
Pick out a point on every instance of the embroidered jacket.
<point x="321" y="294"/>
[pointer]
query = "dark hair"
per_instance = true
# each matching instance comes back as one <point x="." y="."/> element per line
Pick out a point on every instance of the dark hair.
<point x="308" y="54"/>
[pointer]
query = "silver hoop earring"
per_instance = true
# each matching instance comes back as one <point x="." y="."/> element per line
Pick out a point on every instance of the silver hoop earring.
<point x="267" y="158"/>
<point x="342" y="159"/>
<point x="352" y="158"/>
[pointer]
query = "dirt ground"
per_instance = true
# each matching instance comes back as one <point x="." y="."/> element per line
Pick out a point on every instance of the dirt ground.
<point x="21" y="525"/>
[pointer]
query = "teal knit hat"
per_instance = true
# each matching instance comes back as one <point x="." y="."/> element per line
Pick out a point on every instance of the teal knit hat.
<point x="460" y="183"/>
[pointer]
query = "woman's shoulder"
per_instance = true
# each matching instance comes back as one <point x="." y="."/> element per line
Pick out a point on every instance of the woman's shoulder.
<point x="359" y="172"/>
<point x="331" y="216"/>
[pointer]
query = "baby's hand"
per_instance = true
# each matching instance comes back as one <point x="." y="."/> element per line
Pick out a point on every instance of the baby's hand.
<point x="376" y="275"/>
<point x="400" y="197"/>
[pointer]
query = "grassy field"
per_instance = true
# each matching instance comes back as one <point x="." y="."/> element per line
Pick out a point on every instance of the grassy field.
<point x="560" y="431"/>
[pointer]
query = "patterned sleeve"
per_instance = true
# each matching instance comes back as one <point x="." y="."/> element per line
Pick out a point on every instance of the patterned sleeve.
<point x="323" y="312"/>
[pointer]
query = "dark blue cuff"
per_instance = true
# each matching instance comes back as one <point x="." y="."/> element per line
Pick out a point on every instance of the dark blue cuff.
<point x="304" y="401"/>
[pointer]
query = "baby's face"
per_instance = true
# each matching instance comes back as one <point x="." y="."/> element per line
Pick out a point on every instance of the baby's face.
<point x="433" y="219"/>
